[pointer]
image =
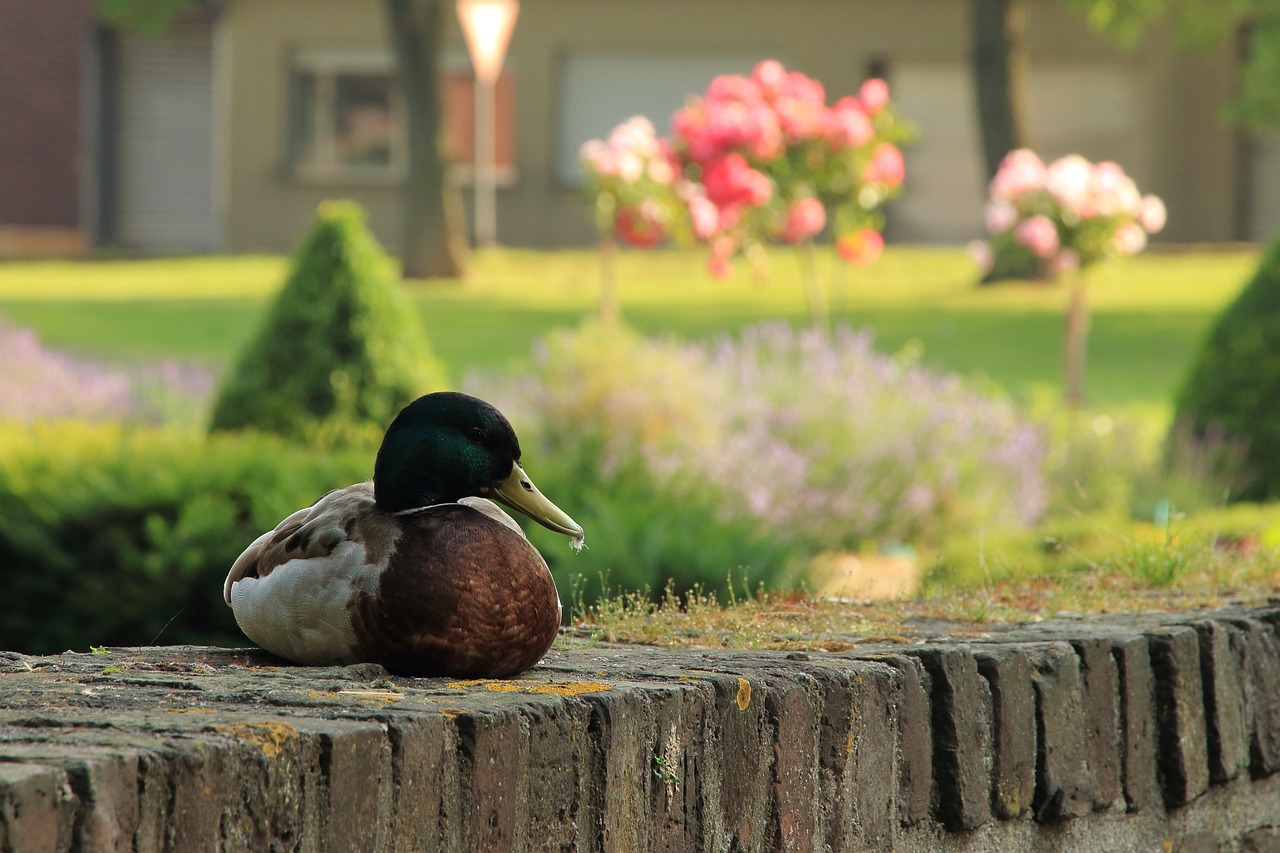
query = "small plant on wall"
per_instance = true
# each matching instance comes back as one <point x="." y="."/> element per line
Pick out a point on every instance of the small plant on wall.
<point x="1050" y="221"/>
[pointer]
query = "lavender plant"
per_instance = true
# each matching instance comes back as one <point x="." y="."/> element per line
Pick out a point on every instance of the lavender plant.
<point x="848" y="445"/>
<point x="806" y="440"/>
<point x="40" y="383"/>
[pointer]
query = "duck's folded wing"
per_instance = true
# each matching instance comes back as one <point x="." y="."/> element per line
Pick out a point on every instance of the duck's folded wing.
<point x="348" y="514"/>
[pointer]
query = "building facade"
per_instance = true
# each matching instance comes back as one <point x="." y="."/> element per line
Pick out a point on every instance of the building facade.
<point x="224" y="133"/>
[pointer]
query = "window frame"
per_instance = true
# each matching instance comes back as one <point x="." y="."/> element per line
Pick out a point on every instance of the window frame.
<point x="326" y="66"/>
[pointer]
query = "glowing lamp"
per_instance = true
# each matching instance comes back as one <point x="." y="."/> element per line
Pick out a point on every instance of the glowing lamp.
<point x="487" y="26"/>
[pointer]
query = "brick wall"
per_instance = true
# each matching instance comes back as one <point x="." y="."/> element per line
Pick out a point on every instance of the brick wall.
<point x="1156" y="732"/>
<point x="42" y="45"/>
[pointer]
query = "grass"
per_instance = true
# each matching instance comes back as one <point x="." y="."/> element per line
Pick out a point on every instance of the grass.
<point x="1199" y="573"/>
<point x="1149" y="313"/>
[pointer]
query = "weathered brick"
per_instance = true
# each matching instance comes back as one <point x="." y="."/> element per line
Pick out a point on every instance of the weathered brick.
<point x="836" y="734"/>
<point x="915" y="740"/>
<point x="1064" y="787"/>
<point x="492" y="747"/>
<point x="561" y="806"/>
<point x="686" y="793"/>
<point x="645" y="766"/>
<point x="356" y="757"/>
<point x="1270" y="616"/>
<point x="427" y="790"/>
<point x="1260" y="662"/>
<point x="98" y="784"/>
<point x="877" y="689"/>
<point x="793" y="715"/>
<point x="1139" y="735"/>
<point x="37" y="808"/>
<point x="1013" y="705"/>
<point x="1265" y="839"/>
<point x="622" y="735"/>
<point x="1100" y="685"/>
<point x="107" y="786"/>
<point x="745" y="781"/>
<point x="961" y="716"/>
<point x="1221" y="662"/>
<point x="1203" y="841"/>
<point x="1183" y="757"/>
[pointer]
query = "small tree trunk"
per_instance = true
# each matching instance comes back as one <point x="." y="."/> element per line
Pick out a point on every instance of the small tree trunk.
<point x="814" y="292"/>
<point x="1074" y="338"/>
<point x="432" y="242"/>
<point x="608" y="279"/>
<point x="998" y="59"/>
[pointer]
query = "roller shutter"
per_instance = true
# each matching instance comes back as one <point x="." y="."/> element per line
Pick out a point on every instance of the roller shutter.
<point x="165" y="198"/>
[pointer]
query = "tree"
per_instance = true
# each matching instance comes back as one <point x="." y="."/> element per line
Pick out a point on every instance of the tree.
<point x="998" y="60"/>
<point x="999" y="64"/>
<point x="431" y="214"/>
<point x="1200" y="25"/>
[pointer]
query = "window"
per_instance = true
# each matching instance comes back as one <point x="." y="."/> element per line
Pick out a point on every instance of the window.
<point x="601" y="90"/>
<point x="346" y="119"/>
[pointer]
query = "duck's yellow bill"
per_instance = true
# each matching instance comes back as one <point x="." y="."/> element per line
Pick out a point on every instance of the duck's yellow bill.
<point x="519" y="493"/>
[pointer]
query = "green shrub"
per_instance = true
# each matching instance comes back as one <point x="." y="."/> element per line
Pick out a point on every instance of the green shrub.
<point x="1093" y="460"/>
<point x="109" y="532"/>
<point x="1229" y="409"/>
<point x="341" y="342"/>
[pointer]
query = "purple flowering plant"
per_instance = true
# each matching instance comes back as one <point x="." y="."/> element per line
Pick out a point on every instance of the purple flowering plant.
<point x="812" y="439"/>
<point x="41" y="383"/>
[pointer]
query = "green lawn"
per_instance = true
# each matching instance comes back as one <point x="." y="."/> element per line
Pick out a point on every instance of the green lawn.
<point x="1149" y="313"/>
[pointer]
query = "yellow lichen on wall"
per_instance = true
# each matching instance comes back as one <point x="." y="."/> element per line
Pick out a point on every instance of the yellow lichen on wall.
<point x="269" y="736"/>
<point x="566" y="688"/>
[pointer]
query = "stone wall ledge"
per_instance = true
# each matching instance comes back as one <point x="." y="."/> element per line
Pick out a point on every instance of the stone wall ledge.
<point x="1159" y="732"/>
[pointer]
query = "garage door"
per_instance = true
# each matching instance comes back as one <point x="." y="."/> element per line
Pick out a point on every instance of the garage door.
<point x="165" y="198"/>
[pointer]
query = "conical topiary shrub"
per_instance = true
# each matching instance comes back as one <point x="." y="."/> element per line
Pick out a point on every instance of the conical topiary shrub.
<point x="1229" y="410"/>
<point x="341" y="343"/>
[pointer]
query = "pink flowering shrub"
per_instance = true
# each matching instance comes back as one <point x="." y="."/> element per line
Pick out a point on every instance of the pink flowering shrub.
<point x="631" y="177"/>
<point x="764" y="158"/>
<point x="1045" y="220"/>
<point x="755" y="159"/>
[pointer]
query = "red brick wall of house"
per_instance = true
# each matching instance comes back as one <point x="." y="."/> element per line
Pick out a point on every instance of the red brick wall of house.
<point x="42" y="45"/>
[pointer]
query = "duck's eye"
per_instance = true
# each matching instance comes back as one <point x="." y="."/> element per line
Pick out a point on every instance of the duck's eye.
<point x="476" y="433"/>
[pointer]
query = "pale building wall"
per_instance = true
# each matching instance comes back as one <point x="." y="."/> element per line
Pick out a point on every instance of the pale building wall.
<point x="1160" y="112"/>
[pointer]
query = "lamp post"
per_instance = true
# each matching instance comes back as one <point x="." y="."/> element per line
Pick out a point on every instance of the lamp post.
<point x="487" y="26"/>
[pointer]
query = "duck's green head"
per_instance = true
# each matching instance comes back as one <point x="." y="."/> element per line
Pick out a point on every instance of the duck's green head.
<point x="448" y="445"/>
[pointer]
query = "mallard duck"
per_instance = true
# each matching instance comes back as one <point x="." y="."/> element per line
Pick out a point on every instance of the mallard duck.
<point x="417" y="570"/>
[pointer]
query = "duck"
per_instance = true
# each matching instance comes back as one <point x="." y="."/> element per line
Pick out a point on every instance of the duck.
<point x="419" y="569"/>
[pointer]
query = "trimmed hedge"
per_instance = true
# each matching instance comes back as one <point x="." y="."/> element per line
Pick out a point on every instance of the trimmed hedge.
<point x="341" y="343"/>
<point x="1228" y="412"/>
<point x="109" y="532"/>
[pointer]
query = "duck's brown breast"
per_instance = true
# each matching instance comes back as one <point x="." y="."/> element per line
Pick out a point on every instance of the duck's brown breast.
<point x="463" y="595"/>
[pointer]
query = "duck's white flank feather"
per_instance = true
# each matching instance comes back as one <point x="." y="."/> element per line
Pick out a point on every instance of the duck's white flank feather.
<point x="299" y="610"/>
<point x="290" y="589"/>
